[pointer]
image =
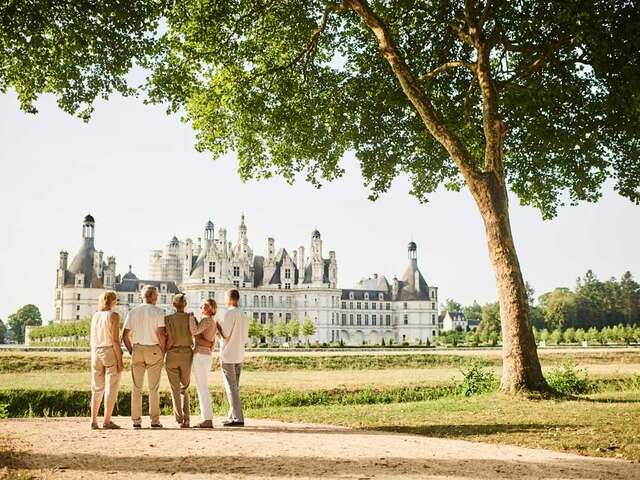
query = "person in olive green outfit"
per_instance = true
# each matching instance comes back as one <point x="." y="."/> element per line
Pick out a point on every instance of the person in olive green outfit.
<point x="178" y="360"/>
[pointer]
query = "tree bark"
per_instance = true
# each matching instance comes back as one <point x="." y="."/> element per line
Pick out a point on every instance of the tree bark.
<point x="521" y="370"/>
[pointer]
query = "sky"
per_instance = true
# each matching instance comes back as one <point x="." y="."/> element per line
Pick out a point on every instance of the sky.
<point x="136" y="171"/>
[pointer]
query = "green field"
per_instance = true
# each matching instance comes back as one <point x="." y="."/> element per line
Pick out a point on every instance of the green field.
<point x="410" y="392"/>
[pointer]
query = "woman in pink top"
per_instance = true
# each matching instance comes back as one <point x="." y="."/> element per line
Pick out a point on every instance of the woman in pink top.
<point x="106" y="359"/>
<point x="207" y="329"/>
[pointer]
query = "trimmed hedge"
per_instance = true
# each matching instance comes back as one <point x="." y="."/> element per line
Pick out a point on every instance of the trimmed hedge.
<point x="63" y="403"/>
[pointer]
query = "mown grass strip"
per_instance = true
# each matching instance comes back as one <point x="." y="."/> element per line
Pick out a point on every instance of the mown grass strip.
<point x="16" y="363"/>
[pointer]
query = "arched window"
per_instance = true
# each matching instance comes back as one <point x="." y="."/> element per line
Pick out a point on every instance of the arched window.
<point x="263" y="300"/>
<point x="255" y="301"/>
<point x="270" y="301"/>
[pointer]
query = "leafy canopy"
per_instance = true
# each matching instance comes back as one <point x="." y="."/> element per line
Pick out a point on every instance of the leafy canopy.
<point x="262" y="79"/>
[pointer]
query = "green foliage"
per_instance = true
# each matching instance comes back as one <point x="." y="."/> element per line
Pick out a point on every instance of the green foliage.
<point x="473" y="311"/>
<point x="308" y="329"/>
<point x="255" y="330"/>
<point x="58" y="330"/>
<point x="3" y="331"/>
<point x="28" y="315"/>
<point x="79" y="51"/>
<point x="451" y="306"/>
<point x="267" y="331"/>
<point x="281" y="330"/>
<point x="489" y="328"/>
<point x="569" y="380"/>
<point x="294" y="329"/>
<point x="477" y="379"/>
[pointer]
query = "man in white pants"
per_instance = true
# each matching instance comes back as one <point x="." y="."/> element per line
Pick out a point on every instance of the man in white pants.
<point x="235" y="329"/>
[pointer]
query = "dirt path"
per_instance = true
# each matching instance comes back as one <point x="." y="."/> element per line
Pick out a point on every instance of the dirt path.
<point x="66" y="448"/>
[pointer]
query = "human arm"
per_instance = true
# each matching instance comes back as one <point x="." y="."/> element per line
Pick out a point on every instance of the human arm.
<point x="162" y="338"/>
<point x="115" y="334"/>
<point x="197" y="328"/>
<point x="203" y="342"/>
<point x="126" y="340"/>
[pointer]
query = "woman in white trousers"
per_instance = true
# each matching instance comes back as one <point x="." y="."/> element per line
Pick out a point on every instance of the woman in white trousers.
<point x="205" y="332"/>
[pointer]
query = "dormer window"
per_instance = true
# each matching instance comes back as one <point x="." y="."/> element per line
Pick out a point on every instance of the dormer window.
<point x="236" y="271"/>
<point x="212" y="267"/>
<point x="366" y="295"/>
<point x="163" y="287"/>
<point x="287" y="273"/>
<point x="350" y="295"/>
<point x="380" y="297"/>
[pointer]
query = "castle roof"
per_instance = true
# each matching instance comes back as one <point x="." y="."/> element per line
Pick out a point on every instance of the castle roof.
<point x="83" y="263"/>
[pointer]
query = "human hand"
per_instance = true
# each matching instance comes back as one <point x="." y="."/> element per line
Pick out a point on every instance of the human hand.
<point x="120" y="366"/>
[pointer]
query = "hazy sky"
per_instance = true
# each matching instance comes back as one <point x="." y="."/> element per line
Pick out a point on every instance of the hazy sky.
<point x="136" y="171"/>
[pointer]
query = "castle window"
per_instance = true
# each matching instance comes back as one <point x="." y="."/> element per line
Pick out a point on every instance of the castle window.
<point x="388" y="320"/>
<point x="130" y="298"/>
<point x="350" y="305"/>
<point x="344" y="305"/>
<point x="351" y="319"/>
<point x="212" y="280"/>
<point x="263" y="318"/>
<point x="406" y="319"/>
<point x="78" y="297"/>
<point x="359" y="319"/>
<point x="236" y="283"/>
<point x="287" y="286"/>
<point x="388" y="306"/>
<point x="433" y="319"/>
<point x="58" y="313"/>
<point x="373" y="320"/>
<point x="77" y="308"/>
<point x="212" y="295"/>
<point x="373" y="305"/>
<point x="287" y="317"/>
<point x="58" y="295"/>
<point x="203" y="280"/>
<point x="380" y="297"/>
<point x="263" y="301"/>
<point x="163" y="288"/>
<point x="163" y="299"/>
<point x="366" y="305"/>
<point x="288" y="301"/>
<point x="433" y="294"/>
<point x="366" y="319"/>
<point x="344" y="319"/>
<point x="366" y="295"/>
<point x="236" y="271"/>
<point x="256" y="316"/>
<point x="77" y="317"/>
<point x="350" y="295"/>
<point x="287" y="273"/>
<point x="255" y="301"/>
<point x="271" y="301"/>
<point x="270" y="317"/>
<point x="405" y="305"/>
<point x="212" y="267"/>
<point x="358" y="305"/>
<point x="433" y="306"/>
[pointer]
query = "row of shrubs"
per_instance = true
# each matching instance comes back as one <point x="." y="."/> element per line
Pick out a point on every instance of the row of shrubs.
<point x="619" y="334"/>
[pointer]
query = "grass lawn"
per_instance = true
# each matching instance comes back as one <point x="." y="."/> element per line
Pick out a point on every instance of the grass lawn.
<point x="606" y="424"/>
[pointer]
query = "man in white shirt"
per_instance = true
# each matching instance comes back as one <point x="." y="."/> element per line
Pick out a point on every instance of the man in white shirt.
<point x="235" y="330"/>
<point x="144" y="337"/>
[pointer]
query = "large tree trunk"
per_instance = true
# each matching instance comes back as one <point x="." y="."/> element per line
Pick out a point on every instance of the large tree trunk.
<point x="521" y="369"/>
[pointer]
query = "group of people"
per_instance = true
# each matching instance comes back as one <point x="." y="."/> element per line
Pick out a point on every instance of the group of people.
<point x="180" y="343"/>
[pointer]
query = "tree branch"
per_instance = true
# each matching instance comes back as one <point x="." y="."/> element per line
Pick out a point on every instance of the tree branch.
<point x="446" y="66"/>
<point x="411" y="87"/>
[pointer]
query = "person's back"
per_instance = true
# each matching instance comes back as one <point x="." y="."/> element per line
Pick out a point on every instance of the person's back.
<point x="144" y="321"/>
<point x="177" y="326"/>
<point x="101" y="330"/>
<point x="235" y="329"/>
<point x="235" y="333"/>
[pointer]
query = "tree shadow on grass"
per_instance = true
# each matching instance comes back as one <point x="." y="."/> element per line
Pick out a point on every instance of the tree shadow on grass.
<point x="310" y="466"/>
<point x="468" y="430"/>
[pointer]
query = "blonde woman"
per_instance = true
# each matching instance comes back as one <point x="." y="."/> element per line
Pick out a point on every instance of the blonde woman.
<point x="205" y="332"/>
<point x="106" y="359"/>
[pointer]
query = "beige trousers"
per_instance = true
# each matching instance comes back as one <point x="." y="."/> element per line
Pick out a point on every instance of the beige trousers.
<point x="146" y="358"/>
<point x="178" y="366"/>
<point x="104" y="367"/>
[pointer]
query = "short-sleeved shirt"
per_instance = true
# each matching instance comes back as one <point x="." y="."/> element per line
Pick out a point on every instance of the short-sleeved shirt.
<point x="177" y="326"/>
<point x="143" y="321"/>
<point x="235" y="328"/>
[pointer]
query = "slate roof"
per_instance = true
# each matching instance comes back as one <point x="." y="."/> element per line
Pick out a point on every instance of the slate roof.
<point x="325" y="272"/>
<point x="129" y="285"/>
<point x="413" y="286"/>
<point x="83" y="263"/>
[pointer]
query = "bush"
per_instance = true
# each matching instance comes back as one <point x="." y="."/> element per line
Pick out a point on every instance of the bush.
<point x="570" y="380"/>
<point x="477" y="379"/>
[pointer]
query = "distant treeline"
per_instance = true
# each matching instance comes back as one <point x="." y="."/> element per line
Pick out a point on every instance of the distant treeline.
<point x="593" y="303"/>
